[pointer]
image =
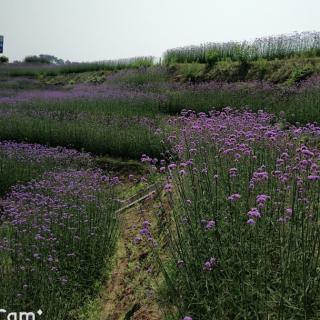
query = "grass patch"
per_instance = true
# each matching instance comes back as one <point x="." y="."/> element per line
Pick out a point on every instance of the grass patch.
<point x="288" y="71"/>
<point x="118" y="128"/>
<point x="40" y="70"/>
<point x="298" y="106"/>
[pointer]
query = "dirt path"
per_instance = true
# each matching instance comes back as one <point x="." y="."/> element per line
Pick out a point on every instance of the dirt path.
<point x="129" y="293"/>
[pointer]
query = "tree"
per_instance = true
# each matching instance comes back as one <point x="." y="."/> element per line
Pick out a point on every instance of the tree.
<point x="4" y="59"/>
<point x="43" y="59"/>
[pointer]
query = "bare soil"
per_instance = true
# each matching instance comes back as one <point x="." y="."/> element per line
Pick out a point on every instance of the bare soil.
<point x="129" y="292"/>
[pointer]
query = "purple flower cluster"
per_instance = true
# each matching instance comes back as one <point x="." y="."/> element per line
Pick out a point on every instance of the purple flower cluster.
<point x="234" y="197"/>
<point x="51" y="224"/>
<point x="260" y="184"/>
<point x="39" y="153"/>
<point x="208" y="224"/>
<point x="145" y="232"/>
<point x="240" y="137"/>
<point x="78" y="91"/>
<point x="210" y="264"/>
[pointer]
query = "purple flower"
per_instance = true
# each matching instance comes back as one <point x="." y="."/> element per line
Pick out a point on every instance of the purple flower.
<point x="210" y="264"/>
<point x="254" y="213"/>
<point x="146" y="224"/>
<point x="283" y="220"/>
<point x="210" y="224"/>
<point x="146" y="159"/>
<point x="172" y="166"/>
<point x="313" y="177"/>
<point x="251" y="222"/>
<point x="234" y="197"/>
<point x="233" y="172"/>
<point x="145" y="232"/>
<point x="289" y="212"/>
<point x="307" y="152"/>
<point x="262" y="198"/>
<point x="260" y="176"/>
<point x="168" y="187"/>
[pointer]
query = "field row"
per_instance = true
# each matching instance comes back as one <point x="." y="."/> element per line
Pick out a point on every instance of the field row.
<point x="58" y="228"/>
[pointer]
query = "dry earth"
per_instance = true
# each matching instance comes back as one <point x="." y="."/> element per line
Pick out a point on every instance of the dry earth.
<point x="129" y="292"/>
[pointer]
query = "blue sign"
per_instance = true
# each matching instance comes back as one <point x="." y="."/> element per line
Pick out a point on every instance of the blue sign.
<point x="1" y="44"/>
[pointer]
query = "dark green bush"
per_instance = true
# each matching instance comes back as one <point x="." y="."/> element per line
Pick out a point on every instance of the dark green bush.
<point x="4" y="59"/>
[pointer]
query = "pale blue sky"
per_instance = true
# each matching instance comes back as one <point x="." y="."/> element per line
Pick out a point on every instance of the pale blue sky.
<point x="88" y="30"/>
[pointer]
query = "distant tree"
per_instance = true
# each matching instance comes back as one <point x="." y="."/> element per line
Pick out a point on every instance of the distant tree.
<point x="4" y="59"/>
<point x="44" y="59"/>
<point x="36" y="59"/>
<point x="51" y="59"/>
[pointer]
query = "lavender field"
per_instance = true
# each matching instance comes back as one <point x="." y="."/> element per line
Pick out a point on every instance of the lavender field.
<point x="141" y="190"/>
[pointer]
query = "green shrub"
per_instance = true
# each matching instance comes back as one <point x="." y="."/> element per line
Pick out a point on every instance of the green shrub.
<point x="189" y="72"/>
<point x="4" y="59"/>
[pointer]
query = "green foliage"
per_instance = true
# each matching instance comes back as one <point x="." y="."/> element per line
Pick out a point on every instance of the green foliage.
<point x="91" y="310"/>
<point x="259" y="69"/>
<point x="39" y="66"/>
<point x="212" y="57"/>
<point x="190" y="72"/>
<point x="150" y="79"/>
<point x="277" y="71"/>
<point x="120" y="166"/>
<point x="226" y="70"/>
<point x="305" y="44"/>
<point x="294" y="104"/>
<point x="110" y="65"/>
<point x="93" y="77"/>
<point x="36" y="59"/>
<point x="102" y="127"/>
<point x="4" y="59"/>
<point x="43" y="59"/>
<point x="299" y="74"/>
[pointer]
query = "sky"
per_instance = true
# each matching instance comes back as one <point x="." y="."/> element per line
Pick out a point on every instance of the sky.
<point x="92" y="30"/>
